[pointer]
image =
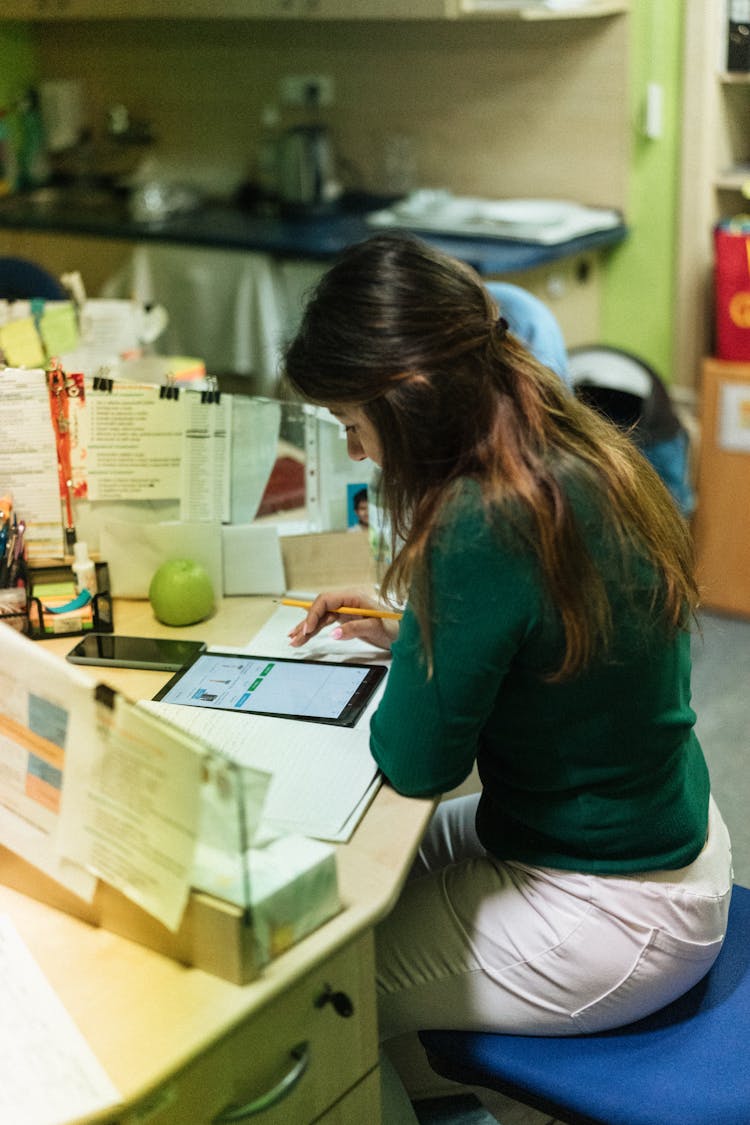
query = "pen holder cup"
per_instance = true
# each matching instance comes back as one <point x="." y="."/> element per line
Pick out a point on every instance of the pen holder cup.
<point x="53" y="607"/>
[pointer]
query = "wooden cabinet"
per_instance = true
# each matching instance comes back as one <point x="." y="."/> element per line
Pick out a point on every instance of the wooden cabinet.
<point x="722" y="528"/>
<point x="715" y="169"/>
<point x="44" y="10"/>
<point x="310" y="1053"/>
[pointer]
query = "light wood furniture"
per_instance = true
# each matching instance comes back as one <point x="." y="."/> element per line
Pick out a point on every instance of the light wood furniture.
<point x="715" y="168"/>
<point x="181" y="1045"/>
<point x="722" y="528"/>
<point x="298" y="9"/>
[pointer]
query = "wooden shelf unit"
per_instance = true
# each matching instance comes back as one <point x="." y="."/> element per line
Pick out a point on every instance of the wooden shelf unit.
<point x="722" y="526"/>
<point x="715" y="170"/>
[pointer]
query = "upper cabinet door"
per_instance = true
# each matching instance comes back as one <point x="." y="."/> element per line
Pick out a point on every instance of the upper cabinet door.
<point x="304" y="9"/>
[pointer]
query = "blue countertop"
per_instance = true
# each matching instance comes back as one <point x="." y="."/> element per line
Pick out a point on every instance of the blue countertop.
<point x="224" y="226"/>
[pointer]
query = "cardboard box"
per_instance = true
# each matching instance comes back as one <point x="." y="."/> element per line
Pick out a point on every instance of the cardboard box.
<point x="721" y="529"/>
<point x="732" y="285"/>
<point x="298" y="892"/>
<point x="293" y="887"/>
<point x="214" y="935"/>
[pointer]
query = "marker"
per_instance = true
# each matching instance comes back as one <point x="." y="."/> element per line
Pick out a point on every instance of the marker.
<point x="78" y="602"/>
<point x="350" y="610"/>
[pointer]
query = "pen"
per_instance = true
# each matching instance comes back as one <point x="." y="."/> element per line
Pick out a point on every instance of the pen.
<point x="353" y="611"/>
<point x="4" y="540"/>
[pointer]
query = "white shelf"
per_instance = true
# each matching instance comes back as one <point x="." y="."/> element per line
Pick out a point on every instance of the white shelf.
<point x="733" y="179"/>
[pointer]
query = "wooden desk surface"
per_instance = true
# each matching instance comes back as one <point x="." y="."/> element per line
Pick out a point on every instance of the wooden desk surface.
<point x="147" y="1016"/>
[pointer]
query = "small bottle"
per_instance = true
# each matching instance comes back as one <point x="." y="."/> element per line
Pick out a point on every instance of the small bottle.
<point x="84" y="569"/>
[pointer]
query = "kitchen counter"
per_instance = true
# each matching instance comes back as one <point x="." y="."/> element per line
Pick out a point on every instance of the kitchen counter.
<point x="224" y="226"/>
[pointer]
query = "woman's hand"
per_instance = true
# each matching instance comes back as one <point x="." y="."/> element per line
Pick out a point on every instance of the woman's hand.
<point x="377" y="631"/>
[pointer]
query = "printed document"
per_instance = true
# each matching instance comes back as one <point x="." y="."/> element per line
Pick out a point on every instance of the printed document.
<point x="47" y="708"/>
<point x="28" y="458"/>
<point x="132" y="804"/>
<point x="50" y="1074"/>
<point x="134" y="444"/>
<point x="91" y="786"/>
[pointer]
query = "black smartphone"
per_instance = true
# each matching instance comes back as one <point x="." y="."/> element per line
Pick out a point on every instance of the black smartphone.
<point x="162" y="654"/>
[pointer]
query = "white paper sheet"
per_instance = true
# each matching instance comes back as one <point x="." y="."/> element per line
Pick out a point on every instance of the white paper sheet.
<point x="319" y="773"/>
<point x="132" y="801"/>
<point x="134" y="444"/>
<point x="733" y="418"/>
<point x="273" y="640"/>
<point x="252" y="559"/>
<point x="206" y="457"/>
<point x="48" y="1074"/>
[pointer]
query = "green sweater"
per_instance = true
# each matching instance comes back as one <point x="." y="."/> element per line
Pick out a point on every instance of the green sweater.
<point x="602" y="773"/>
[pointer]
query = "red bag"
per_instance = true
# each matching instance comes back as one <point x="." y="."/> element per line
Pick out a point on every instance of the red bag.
<point x="732" y="287"/>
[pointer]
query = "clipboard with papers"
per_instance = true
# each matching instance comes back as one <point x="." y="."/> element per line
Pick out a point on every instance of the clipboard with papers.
<point x="322" y="778"/>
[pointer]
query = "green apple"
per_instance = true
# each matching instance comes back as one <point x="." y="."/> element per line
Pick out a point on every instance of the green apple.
<point x="181" y="592"/>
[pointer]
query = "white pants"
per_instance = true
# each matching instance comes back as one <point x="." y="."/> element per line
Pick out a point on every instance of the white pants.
<point x="480" y="944"/>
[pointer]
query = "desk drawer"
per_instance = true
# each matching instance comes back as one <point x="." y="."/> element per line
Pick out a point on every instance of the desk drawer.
<point x="300" y="1038"/>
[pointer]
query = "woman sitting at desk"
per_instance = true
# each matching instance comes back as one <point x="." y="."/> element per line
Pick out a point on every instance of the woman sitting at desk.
<point x="546" y="635"/>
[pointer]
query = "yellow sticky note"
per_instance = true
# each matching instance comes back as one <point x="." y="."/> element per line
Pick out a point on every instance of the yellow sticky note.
<point x="58" y="328"/>
<point x="186" y="367"/>
<point x="20" y="343"/>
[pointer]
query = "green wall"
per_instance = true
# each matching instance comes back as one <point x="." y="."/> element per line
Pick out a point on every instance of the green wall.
<point x="638" y="288"/>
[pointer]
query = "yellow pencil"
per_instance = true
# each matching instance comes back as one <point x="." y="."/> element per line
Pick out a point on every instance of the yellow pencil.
<point x="353" y="611"/>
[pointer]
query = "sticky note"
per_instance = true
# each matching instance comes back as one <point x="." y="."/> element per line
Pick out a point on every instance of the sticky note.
<point x="20" y="343"/>
<point x="58" y="328"/>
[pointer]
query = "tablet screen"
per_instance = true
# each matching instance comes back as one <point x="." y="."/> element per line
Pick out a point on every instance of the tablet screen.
<point x="314" y="690"/>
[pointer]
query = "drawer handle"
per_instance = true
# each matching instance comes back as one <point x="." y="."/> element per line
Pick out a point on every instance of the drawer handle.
<point x="301" y="1056"/>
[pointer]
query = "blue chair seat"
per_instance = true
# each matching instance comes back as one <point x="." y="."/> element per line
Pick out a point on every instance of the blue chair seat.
<point x="688" y="1064"/>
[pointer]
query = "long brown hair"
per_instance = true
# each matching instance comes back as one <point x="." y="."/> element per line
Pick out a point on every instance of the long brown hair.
<point x="413" y="338"/>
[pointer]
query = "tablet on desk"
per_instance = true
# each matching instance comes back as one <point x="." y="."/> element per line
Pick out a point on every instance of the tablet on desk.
<point x="314" y="690"/>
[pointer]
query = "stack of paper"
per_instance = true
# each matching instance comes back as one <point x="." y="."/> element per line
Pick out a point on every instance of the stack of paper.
<point x="50" y="1074"/>
<point x="546" y="221"/>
